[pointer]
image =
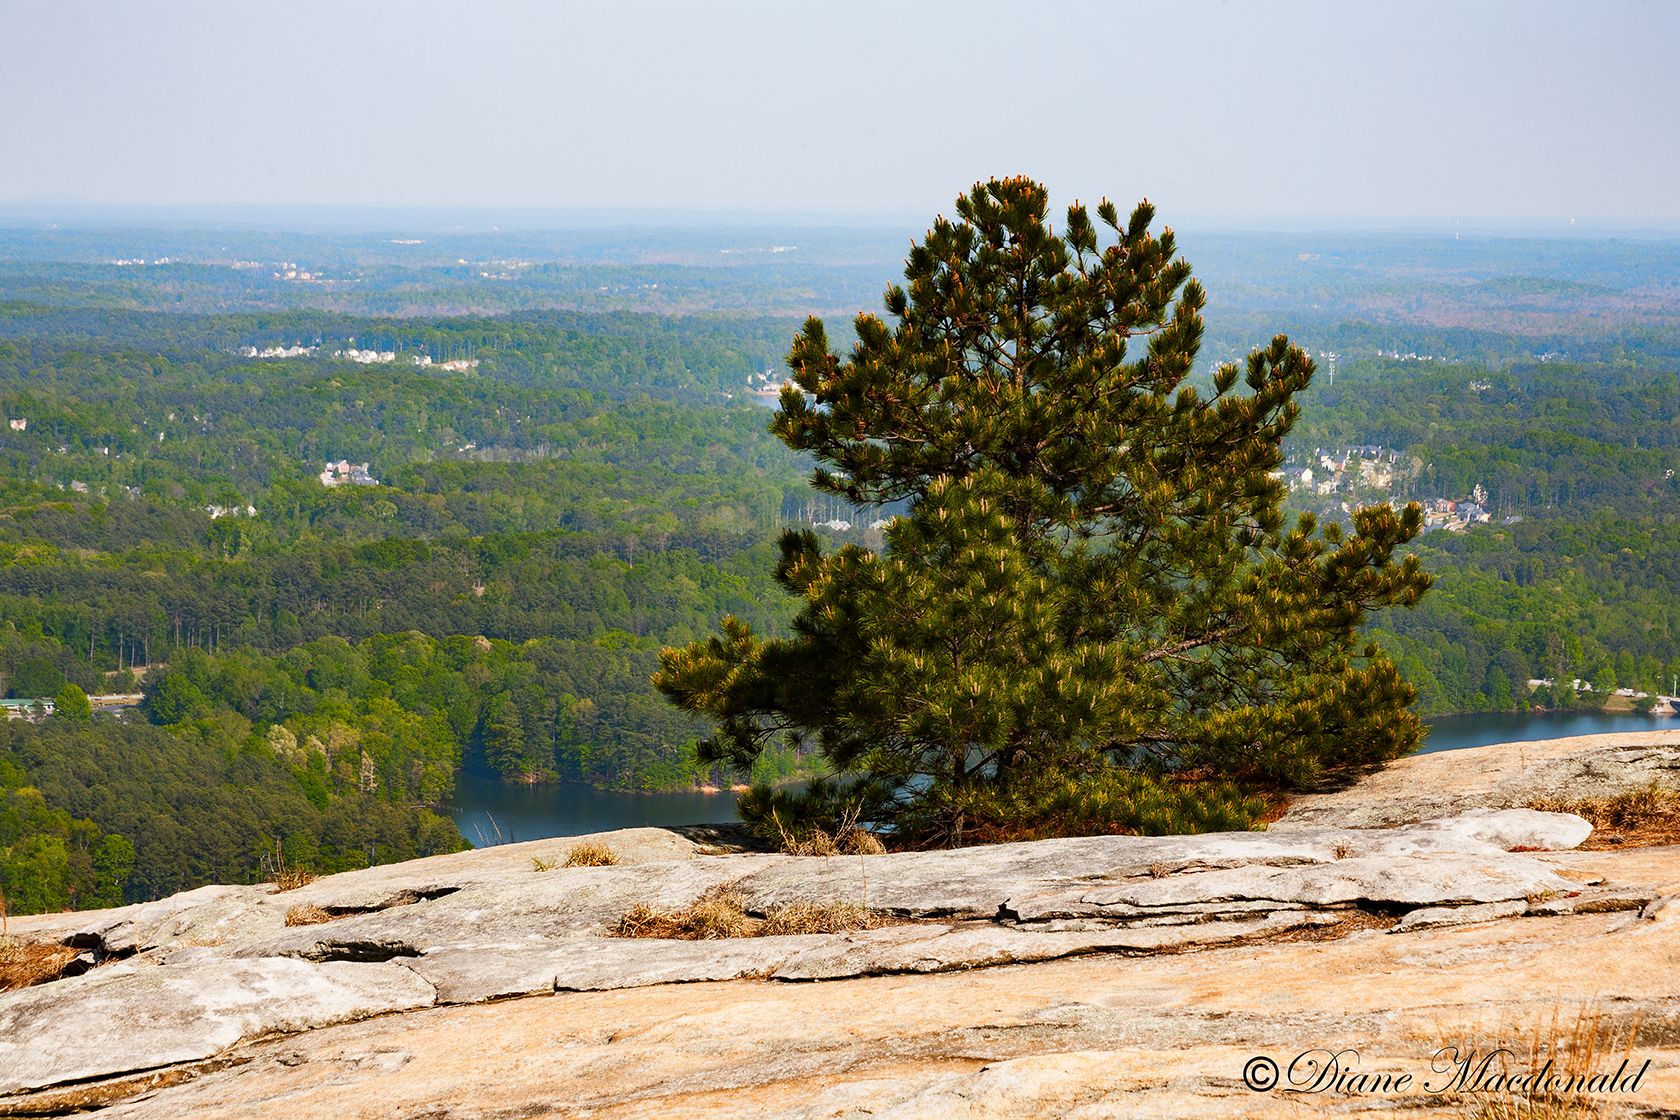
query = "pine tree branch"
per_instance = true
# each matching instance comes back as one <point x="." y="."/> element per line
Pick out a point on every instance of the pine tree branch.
<point x="1178" y="649"/>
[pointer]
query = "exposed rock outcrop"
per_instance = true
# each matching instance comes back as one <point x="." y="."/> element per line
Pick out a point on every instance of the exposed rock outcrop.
<point x="132" y="1016"/>
<point x="232" y="1004"/>
<point x="1429" y="786"/>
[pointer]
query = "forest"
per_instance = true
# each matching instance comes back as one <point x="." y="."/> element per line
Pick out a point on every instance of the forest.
<point x="1576" y="575"/>
<point x="319" y="661"/>
<point x="566" y="472"/>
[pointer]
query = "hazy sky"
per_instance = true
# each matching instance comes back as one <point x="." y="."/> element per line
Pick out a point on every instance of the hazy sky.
<point x="1239" y="110"/>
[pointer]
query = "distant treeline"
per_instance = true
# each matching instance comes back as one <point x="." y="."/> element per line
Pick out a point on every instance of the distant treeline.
<point x="96" y="814"/>
<point x="1565" y="437"/>
<point x="1585" y="581"/>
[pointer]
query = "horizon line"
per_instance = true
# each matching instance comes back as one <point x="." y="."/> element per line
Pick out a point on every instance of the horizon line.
<point x="882" y="218"/>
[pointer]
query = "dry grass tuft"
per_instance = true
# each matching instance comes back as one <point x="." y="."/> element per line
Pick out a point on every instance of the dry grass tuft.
<point x="860" y="842"/>
<point x="847" y="840"/>
<point x="307" y="915"/>
<point x="718" y="913"/>
<point x="591" y="853"/>
<point x="1632" y="819"/>
<point x="811" y="842"/>
<point x="24" y="963"/>
<point x="642" y="920"/>
<point x="721" y="913"/>
<point x="284" y="877"/>
<point x="291" y="878"/>
<point x="819" y="917"/>
<point x="1577" y="1049"/>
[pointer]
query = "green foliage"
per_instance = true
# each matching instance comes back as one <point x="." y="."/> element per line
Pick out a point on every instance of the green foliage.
<point x="174" y="699"/>
<point x="589" y="492"/>
<point x="33" y="677"/>
<point x="1579" y="574"/>
<point x="1588" y="595"/>
<point x="1094" y="565"/>
<point x="1081" y="795"/>
<point x="419" y="707"/>
<point x="72" y="704"/>
<point x="1539" y="437"/>
<point x="50" y="860"/>
<point x="109" y="812"/>
<point x="504" y="735"/>
<point x="587" y="484"/>
<point x="1093" y="797"/>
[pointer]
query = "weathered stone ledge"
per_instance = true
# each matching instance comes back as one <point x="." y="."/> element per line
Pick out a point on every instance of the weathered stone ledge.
<point x="207" y="969"/>
<point x="187" y="989"/>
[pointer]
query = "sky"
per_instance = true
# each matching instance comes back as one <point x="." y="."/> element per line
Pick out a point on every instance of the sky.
<point x="1248" y="112"/>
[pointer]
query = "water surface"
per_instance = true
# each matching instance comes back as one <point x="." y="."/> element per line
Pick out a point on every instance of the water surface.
<point x="488" y="812"/>
<point x="1451" y="733"/>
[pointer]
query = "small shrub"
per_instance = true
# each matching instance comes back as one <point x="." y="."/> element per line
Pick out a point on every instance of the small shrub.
<point x="821" y="819"/>
<point x="285" y="878"/>
<point x="796" y="834"/>
<point x="307" y="915"/>
<point x="540" y="864"/>
<point x="590" y="853"/>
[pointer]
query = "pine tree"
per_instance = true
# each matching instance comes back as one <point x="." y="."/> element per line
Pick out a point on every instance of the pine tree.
<point x="1094" y="596"/>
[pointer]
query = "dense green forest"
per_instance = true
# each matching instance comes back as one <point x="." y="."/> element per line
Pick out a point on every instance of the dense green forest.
<point x="157" y="504"/>
<point x="1595" y="598"/>
<point x="1577" y="573"/>
<point x="99" y="813"/>
<point x="538" y="520"/>
<point x="566" y="471"/>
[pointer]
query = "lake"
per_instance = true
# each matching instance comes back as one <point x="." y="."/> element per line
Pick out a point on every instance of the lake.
<point x="488" y="812"/>
<point x="1451" y="733"/>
